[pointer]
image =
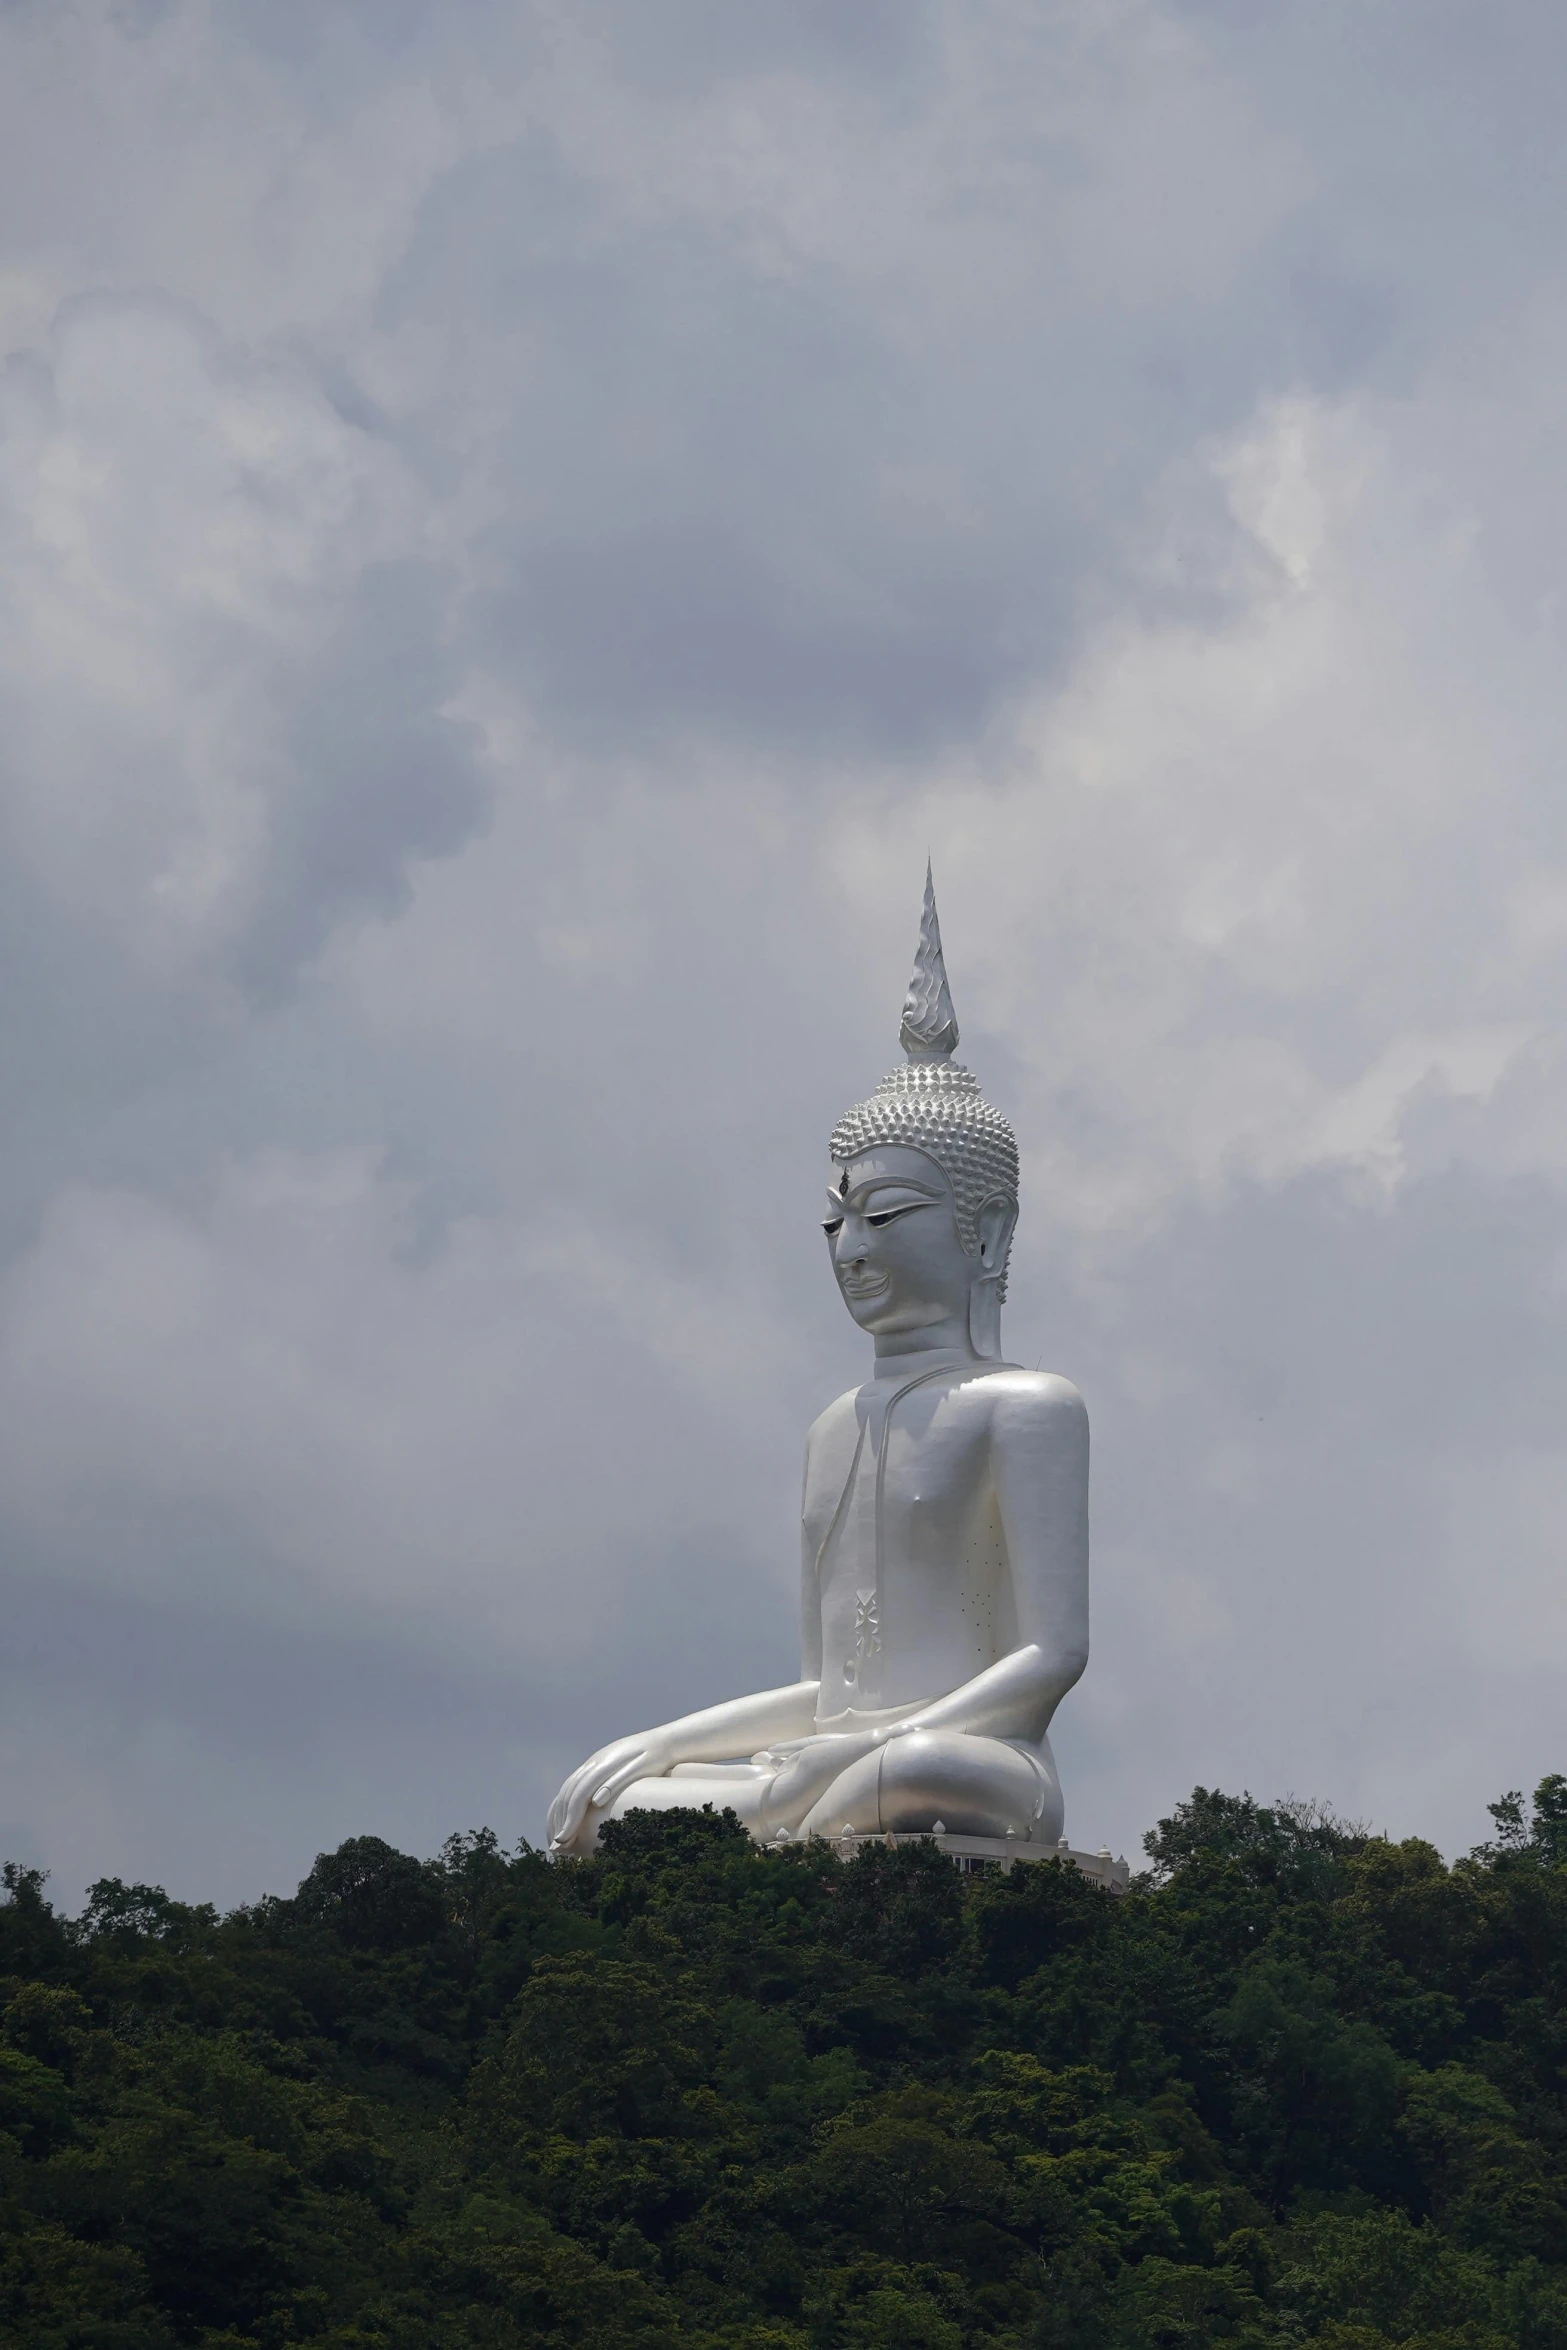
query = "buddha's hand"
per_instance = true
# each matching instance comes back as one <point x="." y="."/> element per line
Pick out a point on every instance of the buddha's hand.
<point x="831" y="1750"/>
<point x="594" y="1785"/>
<point x="773" y="1758"/>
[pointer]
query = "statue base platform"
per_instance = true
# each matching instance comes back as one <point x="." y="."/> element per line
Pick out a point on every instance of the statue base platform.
<point x="974" y="1852"/>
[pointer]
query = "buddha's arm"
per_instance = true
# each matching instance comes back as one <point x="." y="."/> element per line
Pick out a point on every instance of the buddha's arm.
<point x="719" y="1733"/>
<point x="1039" y="1461"/>
<point x="738" y="1727"/>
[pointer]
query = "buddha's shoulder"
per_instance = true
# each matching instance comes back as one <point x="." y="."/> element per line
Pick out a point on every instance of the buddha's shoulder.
<point x="1016" y="1395"/>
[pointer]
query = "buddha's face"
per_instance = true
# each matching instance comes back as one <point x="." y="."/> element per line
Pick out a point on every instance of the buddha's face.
<point x="892" y="1232"/>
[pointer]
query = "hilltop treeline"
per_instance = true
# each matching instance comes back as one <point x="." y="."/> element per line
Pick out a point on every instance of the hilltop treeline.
<point x="1299" y="2086"/>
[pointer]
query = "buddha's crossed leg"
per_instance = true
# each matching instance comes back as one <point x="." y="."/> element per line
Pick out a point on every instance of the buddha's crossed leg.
<point x="974" y="1786"/>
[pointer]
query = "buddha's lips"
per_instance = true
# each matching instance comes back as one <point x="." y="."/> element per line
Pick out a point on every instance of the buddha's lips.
<point x="864" y="1285"/>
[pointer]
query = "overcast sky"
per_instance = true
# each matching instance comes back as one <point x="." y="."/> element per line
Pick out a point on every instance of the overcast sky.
<point x="519" y="526"/>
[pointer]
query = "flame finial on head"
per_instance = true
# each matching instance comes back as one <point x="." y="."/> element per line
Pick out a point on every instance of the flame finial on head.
<point x="929" y="1031"/>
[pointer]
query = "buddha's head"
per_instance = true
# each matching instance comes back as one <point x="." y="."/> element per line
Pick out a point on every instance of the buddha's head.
<point x="923" y="1198"/>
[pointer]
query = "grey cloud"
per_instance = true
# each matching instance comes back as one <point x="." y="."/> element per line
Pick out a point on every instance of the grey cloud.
<point x="1321" y="1430"/>
<point x="515" y="534"/>
<point x="218" y="1751"/>
<point x="666" y="629"/>
<point x="224" y="644"/>
<point x="727" y="493"/>
<point x="391" y="776"/>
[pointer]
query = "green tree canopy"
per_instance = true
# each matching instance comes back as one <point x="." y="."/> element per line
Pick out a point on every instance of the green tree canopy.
<point x="1300" y="2086"/>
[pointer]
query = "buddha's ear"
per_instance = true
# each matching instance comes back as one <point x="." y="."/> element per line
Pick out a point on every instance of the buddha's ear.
<point x="995" y="1223"/>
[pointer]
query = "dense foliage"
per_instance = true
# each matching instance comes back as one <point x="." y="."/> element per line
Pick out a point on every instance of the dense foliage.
<point x="1300" y="2085"/>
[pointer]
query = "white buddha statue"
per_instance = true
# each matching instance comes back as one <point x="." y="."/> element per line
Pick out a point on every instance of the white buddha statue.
<point x="944" y="1530"/>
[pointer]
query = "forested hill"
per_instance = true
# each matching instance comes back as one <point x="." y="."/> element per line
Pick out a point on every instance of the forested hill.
<point x="1298" y="2086"/>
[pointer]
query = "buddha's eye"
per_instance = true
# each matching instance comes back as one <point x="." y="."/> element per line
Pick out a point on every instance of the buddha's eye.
<point x="832" y="1224"/>
<point x="887" y="1216"/>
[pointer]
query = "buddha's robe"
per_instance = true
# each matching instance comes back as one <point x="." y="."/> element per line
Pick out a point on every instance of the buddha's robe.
<point x="909" y="1591"/>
